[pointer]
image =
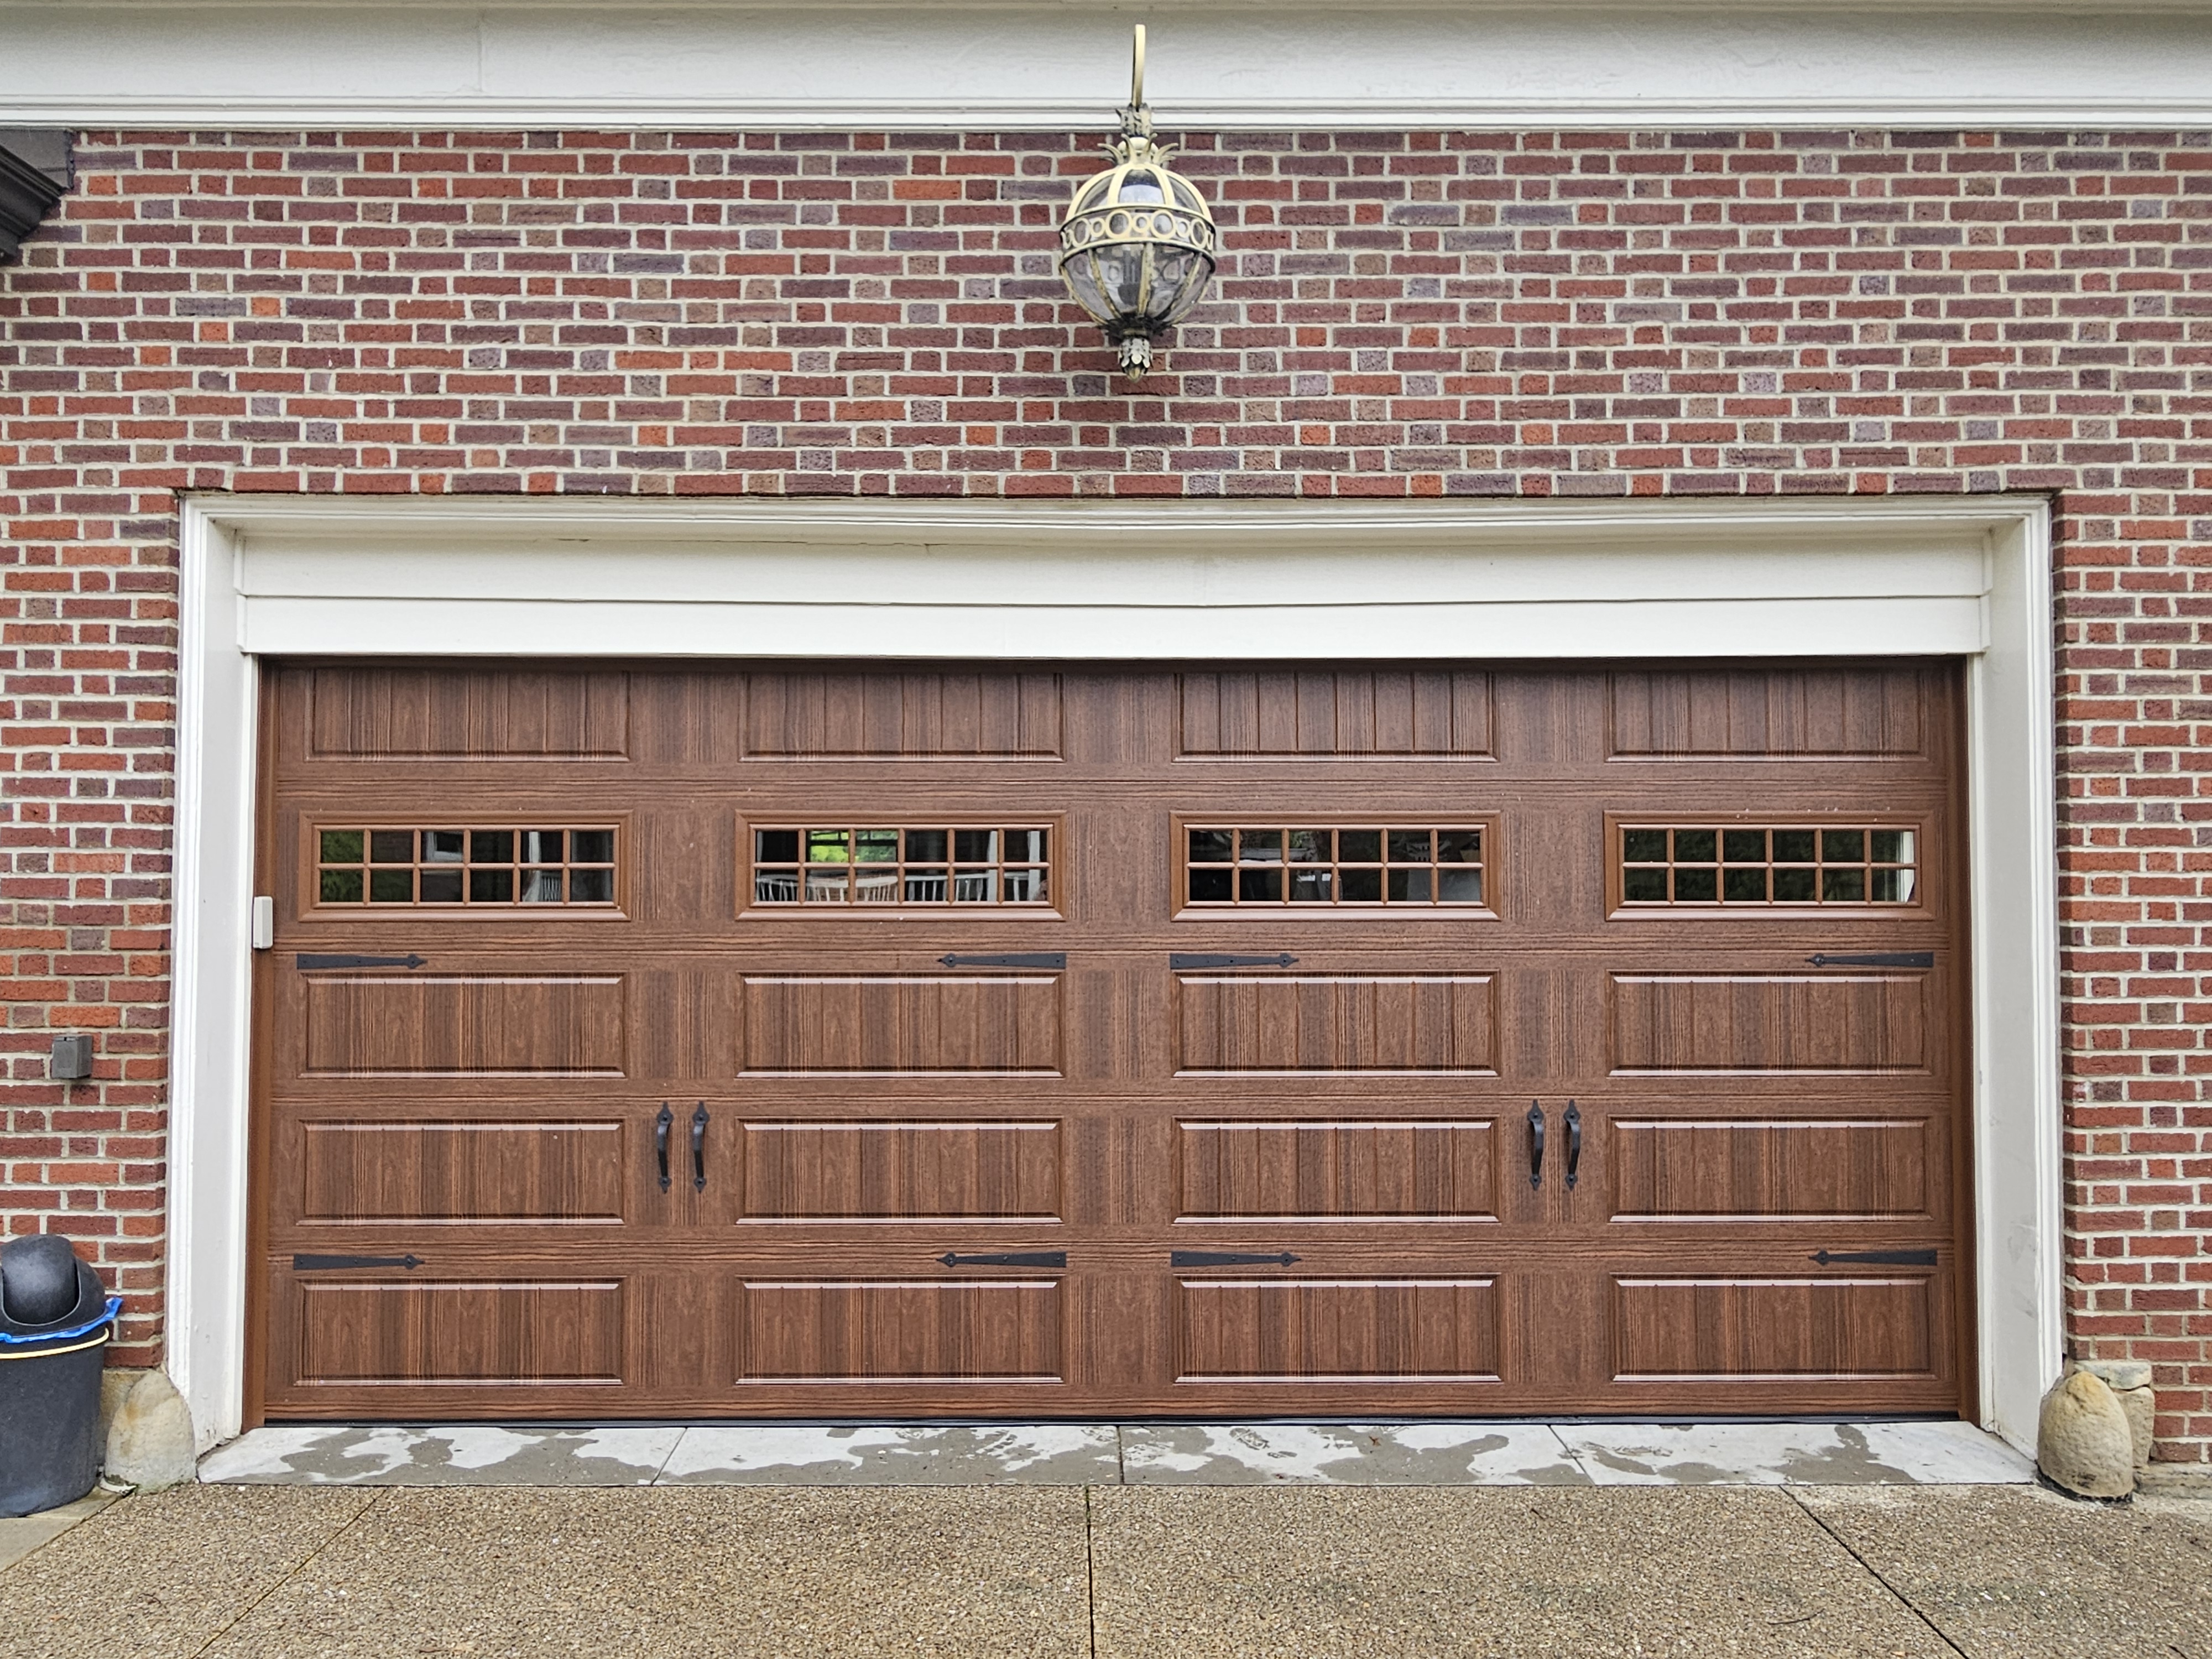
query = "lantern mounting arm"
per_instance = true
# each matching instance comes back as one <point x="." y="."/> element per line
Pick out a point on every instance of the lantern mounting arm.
<point x="1136" y="119"/>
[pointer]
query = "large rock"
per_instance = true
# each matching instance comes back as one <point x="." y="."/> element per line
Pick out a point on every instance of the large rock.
<point x="115" y="1385"/>
<point x="2082" y="1442"/>
<point x="2130" y="1382"/>
<point x="149" y="1442"/>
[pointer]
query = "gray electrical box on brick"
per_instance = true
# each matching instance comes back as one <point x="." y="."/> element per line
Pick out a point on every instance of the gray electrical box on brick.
<point x="72" y="1058"/>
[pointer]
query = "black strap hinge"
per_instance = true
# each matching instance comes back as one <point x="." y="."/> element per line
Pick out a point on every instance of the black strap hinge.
<point x="309" y="1264"/>
<point x="1873" y="959"/>
<point x="309" y="959"/>
<point x="1178" y="960"/>
<point x="1883" y="1258"/>
<point x="1007" y="1259"/>
<point x="1010" y="959"/>
<point x="1228" y="1259"/>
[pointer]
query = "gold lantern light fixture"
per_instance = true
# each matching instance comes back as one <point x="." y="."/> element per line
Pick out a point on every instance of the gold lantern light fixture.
<point x="1137" y="246"/>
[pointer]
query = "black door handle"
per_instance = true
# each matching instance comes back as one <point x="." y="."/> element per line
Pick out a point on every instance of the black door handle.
<point x="1574" y="1140"/>
<point x="660" y="1141"/>
<point x="1536" y="1144"/>
<point x="699" y="1149"/>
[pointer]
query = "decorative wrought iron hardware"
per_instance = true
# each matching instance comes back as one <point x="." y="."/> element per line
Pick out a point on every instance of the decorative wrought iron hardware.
<point x="309" y="1264"/>
<point x="1007" y="1259"/>
<point x="661" y="1125"/>
<point x="1010" y="959"/>
<point x="1227" y="1258"/>
<point x="699" y="1148"/>
<point x="1885" y="1258"/>
<point x="1875" y="959"/>
<point x="1574" y="1141"/>
<point x="1181" y="959"/>
<point x="308" y="960"/>
<point x="1535" y="1145"/>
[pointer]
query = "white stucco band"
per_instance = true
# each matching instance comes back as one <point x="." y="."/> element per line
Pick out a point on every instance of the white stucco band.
<point x="273" y="576"/>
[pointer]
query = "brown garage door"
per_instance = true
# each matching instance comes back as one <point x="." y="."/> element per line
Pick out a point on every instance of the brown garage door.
<point x="651" y="1041"/>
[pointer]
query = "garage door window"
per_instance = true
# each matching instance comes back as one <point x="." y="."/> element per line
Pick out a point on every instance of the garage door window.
<point x="1272" y="864"/>
<point x="1738" y="863"/>
<point x="902" y="865"/>
<point x="475" y="865"/>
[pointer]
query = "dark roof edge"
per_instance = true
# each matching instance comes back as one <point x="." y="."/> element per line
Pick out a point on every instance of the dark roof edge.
<point x="34" y="172"/>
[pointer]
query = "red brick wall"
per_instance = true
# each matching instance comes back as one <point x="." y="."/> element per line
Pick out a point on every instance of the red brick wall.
<point x="1400" y="314"/>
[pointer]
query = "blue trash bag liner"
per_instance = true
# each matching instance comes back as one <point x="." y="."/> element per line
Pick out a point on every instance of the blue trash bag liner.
<point x="16" y="1337"/>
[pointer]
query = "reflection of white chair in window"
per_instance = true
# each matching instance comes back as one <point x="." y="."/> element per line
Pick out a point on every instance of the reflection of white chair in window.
<point x="825" y="886"/>
<point x="776" y="887"/>
<point x="541" y="886"/>
<point x="925" y="890"/>
<point x="975" y="886"/>
<point x="876" y="888"/>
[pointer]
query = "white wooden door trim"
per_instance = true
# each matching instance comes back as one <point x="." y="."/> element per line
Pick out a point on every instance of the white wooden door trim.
<point x="764" y="578"/>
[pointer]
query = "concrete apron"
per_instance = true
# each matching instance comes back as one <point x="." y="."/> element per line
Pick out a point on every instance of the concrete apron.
<point x="1133" y="1454"/>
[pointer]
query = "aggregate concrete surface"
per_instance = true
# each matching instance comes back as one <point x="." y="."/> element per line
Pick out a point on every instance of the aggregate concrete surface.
<point x="1109" y="1571"/>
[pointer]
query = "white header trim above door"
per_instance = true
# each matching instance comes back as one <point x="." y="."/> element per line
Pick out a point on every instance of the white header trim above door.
<point x="761" y="578"/>
<point x="1046" y="66"/>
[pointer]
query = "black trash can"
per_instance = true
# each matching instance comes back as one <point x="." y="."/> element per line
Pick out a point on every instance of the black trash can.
<point x="50" y="1365"/>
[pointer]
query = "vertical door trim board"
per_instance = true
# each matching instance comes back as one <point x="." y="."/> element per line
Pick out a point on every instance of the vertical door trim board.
<point x="1883" y="576"/>
<point x="210" y="1001"/>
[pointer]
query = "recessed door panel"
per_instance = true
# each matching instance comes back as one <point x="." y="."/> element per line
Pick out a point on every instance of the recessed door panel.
<point x="956" y="1332"/>
<point x="1792" y="713"/>
<point x="1409" y="1330"/>
<point x="1422" y="1170"/>
<point x="1687" y="1169"/>
<point x="892" y="1171"/>
<point x="1845" y="1022"/>
<point x="1760" y="1329"/>
<point x="1334" y="714"/>
<point x="511" y="1333"/>
<point x="456" y="1025"/>
<point x="889" y="1023"/>
<point x="468" y="713"/>
<point x="362" y="1174"/>
<point x="1341" y="1022"/>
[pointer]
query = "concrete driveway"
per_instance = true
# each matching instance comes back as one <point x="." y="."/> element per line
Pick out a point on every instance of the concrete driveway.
<point x="1072" y="1570"/>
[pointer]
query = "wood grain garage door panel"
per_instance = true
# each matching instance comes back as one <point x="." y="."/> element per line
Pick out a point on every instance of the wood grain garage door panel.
<point x="430" y="713"/>
<point x="1427" y="1171"/>
<point x="921" y="715"/>
<point x="906" y="1331"/>
<point x="503" y="1173"/>
<point x="1320" y="1330"/>
<point x="902" y="1171"/>
<point x="514" y="1332"/>
<point x="1342" y="1023"/>
<point x="1337" y="712"/>
<point x="547" y="1025"/>
<point x="962" y="1154"/>
<point x="1867" y="1022"/>
<point x="890" y="1024"/>
<point x="1800" y="1168"/>
<point x="1747" y="1329"/>
<point x="1792" y="713"/>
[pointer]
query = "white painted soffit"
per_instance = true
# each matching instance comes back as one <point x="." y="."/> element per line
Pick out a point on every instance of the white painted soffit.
<point x="1023" y="65"/>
